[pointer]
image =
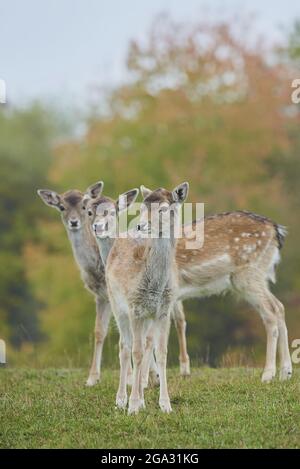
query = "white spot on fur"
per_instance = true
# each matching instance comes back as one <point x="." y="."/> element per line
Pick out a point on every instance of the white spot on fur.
<point x="249" y="248"/>
<point x="236" y="240"/>
<point x="263" y="233"/>
<point x="259" y="242"/>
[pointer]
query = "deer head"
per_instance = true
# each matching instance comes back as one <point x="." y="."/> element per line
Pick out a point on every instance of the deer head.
<point x="72" y="204"/>
<point x="159" y="213"/>
<point x="103" y="213"/>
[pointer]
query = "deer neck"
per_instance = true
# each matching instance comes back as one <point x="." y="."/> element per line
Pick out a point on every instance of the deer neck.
<point x="105" y="245"/>
<point x="159" y="263"/>
<point x="85" y="248"/>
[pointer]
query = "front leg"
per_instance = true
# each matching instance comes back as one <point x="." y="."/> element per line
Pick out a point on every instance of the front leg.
<point x="125" y="345"/>
<point x="161" y="349"/>
<point x="103" y="314"/>
<point x="148" y="357"/>
<point x="135" y="400"/>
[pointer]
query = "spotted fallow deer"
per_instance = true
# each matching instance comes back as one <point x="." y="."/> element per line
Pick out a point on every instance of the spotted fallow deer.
<point x="239" y="254"/>
<point x="142" y="280"/>
<point x="72" y="205"/>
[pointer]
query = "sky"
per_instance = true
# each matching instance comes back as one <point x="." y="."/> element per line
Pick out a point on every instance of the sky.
<point x="59" y="49"/>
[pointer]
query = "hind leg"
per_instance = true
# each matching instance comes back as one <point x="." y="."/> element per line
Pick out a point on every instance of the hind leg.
<point x="254" y="289"/>
<point x="283" y="343"/>
<point x="180" y="324"/>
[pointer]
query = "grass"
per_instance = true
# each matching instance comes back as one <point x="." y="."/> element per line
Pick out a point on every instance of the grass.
<point x="221" y="408"/>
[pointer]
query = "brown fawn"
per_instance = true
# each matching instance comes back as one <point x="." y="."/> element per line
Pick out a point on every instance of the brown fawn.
<point x="142" y="292"/>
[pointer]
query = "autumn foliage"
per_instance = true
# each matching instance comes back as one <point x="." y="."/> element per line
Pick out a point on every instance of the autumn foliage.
<point x="203" y="103"/>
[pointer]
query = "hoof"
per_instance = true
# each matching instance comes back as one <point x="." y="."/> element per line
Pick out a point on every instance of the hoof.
<point x="185" y="369"/>
<point x="92" y="380"/>
<point x="135" y="406"/>
<point x="165" y="406"/>
<point x="285" y="373"/>
<point x="121" y="402"/>
<point x="267" y="376"/>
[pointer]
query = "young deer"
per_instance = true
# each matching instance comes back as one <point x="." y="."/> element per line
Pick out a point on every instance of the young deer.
<point x="141" y="277"/>
<point x="102" y="212"/>
<point x="239" y="254"/>
<point x="72" y="205"/>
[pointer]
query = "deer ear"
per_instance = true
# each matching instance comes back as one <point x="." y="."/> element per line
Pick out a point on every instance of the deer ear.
<point x="145" y="191"/>
<point x="95" y="190"/>
<point x="126" y="199"/>
<point x="50" y="198"/>
<point x="85" y="200"/>
<point x="180" y="192"/>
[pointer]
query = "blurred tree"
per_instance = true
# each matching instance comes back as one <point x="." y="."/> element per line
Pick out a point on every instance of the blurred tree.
<point x="205" y="106"/>
<point x="202" y="104"/>
<point x="24" y="161"/>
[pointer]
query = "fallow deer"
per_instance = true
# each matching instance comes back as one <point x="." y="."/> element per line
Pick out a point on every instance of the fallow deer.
<point x="103" y="212"/>
<point x="239" y="254"/>
<point x="72" y="205"/>
<point x="142" y="278"/>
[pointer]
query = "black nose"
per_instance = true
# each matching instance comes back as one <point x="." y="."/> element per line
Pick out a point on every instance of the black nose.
<point x="74" y="224"/>
<point x="138" y="227"/>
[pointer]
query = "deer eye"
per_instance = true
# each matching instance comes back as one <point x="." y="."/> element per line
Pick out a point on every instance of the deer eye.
<point x="61" y="208"/>
<point x="90" y="213"/>
<point x="83" y="207"/>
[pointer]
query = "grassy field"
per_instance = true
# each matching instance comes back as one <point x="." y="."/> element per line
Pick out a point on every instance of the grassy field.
<point x="220" y="408"/>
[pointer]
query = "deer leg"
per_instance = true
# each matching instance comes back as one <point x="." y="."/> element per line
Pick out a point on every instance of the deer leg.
<point x="180" y="324"/>
<point x="153" y="372"/>
<point x="283" y="343"/>
<point x="125" y="345"/>
<point x="148" y="357"/>
<point x="135" y="400"/>
<point x="103" y="314"/>
<point x="271" y="326"/>
<point x="254" y="289"/>
<point x="161" y="350"/>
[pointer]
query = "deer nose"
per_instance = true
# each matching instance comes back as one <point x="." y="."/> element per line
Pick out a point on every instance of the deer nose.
<point x="74" y="223"/>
